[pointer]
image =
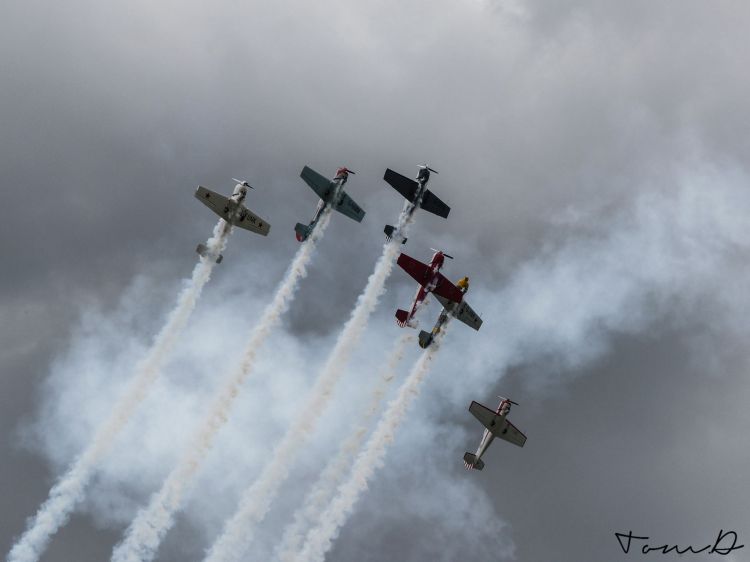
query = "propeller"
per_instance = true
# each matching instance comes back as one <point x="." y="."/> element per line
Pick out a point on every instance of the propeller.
<point x="426" y="167"/>
<point x="444" y="254"/>
<point x="509" y="400"/>
<point x="348" y="171"/>
<point x="243" y="182"/>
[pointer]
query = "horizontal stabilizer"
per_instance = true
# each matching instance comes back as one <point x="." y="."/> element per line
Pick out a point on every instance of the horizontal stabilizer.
<point x="389" y="232"/>
<point x="302" y="231"/>
<point x="405" y="186"/>
<point x="471" y="461"/>
<point x="425" y="339"/>
<point x="401" y="317"/>
<point x="203" y="252"/>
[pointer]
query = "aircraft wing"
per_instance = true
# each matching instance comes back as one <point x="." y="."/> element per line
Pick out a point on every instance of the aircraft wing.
<point x="320" y="184"/>
<point x="447" y="289"/>
<point x="465" y="314"/>
<point x="462" y="311"/>
<point x="498" y="426"/>
<point x="252" y="222"/>
<point x="418" y="270"/>
<point x="512" y="434"/>
<point x="405" y="186"/>
<point x="348" y="207"/>
<point x="214" y="201"/>
<point x="432" y="204"/>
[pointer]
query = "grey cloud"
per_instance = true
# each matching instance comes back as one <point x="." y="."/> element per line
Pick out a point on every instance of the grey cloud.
<point x="546" y="124"/>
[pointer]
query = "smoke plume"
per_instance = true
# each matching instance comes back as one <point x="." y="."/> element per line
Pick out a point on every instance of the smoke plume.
<point x="148" y="529"/>
<point x="322" y="492"/>
<point x="257" y="499"/>
<point x="320" y="538"/>
<point x="68" y="491"/>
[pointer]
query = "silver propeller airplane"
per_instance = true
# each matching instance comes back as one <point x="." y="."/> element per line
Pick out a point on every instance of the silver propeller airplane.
<point x="332" y="194"/>
<point x="232" y="211"/>
<point x="417" y="194"/>
<point x="460" y="310"/>
<point x="497" y="425"/>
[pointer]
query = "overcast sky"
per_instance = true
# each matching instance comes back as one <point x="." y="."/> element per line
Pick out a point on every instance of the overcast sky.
<point x="594" y="155"/>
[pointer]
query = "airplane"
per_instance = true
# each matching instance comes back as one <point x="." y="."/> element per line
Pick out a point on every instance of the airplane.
<point x="497" y="425"/>
<point x="331" y="194"/>
<point x="430" y="281"/>
<point x="461" y="310"/>
<point x="417" y="194"/>
<point x="232" y="211"/>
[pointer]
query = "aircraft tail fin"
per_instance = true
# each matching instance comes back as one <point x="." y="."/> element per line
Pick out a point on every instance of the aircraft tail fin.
<point x="301" y="231"/>
<point x="204" y="252"/>
<point x="389" y="230"/>
<point x="472" y="462"/>
<point x="402" y="317"/>
<point x="425" y="339"/>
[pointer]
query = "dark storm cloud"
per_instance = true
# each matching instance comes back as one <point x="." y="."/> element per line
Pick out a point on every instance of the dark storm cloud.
<point x="542" y="121"/>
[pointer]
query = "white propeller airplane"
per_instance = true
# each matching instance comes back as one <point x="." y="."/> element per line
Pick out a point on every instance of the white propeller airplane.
<point x="232" y="211"/>
<point x="497" y="425"/>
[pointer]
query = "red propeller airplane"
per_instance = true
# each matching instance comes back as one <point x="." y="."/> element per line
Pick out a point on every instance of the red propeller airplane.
<point x="430" y="281"/>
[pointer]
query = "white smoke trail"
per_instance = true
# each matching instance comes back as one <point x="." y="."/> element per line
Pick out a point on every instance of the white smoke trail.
<point x="149" y="527"/>
<point x="256" y="500"/>
<point x="323" y="490"/>
<point x="320" y="538"/>
<point x="68" y="491"/>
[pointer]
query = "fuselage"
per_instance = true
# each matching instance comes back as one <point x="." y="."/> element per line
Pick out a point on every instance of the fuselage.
<point x="413" y="199"/>
<point x="234" y="201"/>
<point x="239" y="193"/>
<point x="422" y="178"/>
<point x="438" y="258"/>
<point x="234" y="208"/>
<point x="425" y="339"/>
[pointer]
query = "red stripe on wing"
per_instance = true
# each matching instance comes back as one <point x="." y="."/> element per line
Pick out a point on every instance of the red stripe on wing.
<point x="418" y="270"/>
<point x="447" y="290"/>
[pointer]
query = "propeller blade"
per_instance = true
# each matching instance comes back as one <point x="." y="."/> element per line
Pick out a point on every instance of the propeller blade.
<point x="446" y="255"/>
<point x="243" y="182"/>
